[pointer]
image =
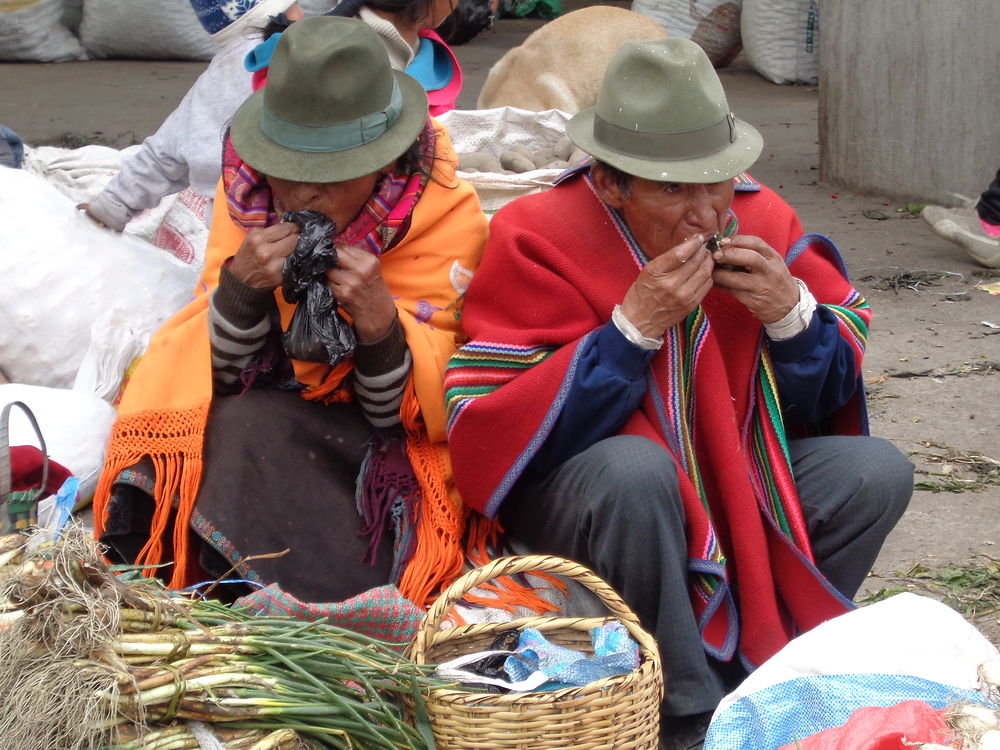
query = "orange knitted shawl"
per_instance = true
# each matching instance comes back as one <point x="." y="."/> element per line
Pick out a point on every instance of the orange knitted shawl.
<point x="165" y="407"/>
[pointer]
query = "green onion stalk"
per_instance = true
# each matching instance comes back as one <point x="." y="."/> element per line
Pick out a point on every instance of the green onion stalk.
<point x="139" y="663"/>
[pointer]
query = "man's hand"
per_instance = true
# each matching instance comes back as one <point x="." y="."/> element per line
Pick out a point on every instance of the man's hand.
<point x="765" y="287"/>
<point x="360" y="290"/>
<point x="669" y="288"/>
<point x="261" y="257"/>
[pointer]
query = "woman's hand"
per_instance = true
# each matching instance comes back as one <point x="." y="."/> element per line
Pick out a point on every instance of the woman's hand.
<point x="360" y="290"/>
<point x="669" y="288"/>
<point x="765" y="286"/>
<point x="261" y="257"/>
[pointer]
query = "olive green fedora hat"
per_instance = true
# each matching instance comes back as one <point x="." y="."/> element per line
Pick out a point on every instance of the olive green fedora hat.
<point x="662" y="114"/>
<point x="333" y="108"/>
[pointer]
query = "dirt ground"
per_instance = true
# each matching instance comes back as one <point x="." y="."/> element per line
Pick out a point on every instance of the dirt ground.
<point x="933" y="363"/>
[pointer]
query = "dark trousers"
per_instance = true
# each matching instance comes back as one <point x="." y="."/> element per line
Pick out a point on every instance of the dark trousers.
<point x="616" y="508"/>
<point x="988" y="207"/>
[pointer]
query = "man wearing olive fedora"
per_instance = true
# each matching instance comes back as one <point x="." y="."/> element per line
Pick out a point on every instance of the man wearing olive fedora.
<point x="663" y="382"/>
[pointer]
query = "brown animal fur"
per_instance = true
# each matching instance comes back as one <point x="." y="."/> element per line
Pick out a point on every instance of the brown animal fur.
<point x="561" y="64"/>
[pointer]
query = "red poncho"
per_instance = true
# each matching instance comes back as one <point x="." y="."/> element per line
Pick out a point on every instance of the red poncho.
<point x="555" y="266"/>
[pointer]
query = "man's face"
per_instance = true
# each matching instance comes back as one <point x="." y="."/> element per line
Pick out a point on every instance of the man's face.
<point x="661" y="215"/>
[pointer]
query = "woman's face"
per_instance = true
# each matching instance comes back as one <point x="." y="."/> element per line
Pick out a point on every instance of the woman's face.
<point x="338" y="201"/>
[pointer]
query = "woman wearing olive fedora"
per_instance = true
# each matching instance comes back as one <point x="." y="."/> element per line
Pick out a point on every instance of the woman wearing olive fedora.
<point x="226" y="447"/>
<point x="666" y="377"/>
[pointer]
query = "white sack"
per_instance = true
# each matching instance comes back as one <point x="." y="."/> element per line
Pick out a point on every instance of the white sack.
<point x="781" y="39"/>
<point x="32" y="30"/>
<point x="145" y="29"/>
<point x="907" y="647"/>
<point x="72" y="14"/>
<point x="60" y="271"/>
<point x="714" y="25"/>
<point x="493" y="131"/>
<point x="75" y="426"/>
<point x="178" y="224"/>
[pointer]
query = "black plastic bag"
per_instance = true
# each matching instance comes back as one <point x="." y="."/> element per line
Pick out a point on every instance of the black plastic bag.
<point x="317" y="331"/>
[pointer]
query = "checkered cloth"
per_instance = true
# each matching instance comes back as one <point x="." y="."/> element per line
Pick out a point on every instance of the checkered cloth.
<point x="382" y="613"/>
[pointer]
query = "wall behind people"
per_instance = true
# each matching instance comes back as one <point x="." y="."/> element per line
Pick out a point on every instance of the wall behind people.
<point x="908" y="100"/>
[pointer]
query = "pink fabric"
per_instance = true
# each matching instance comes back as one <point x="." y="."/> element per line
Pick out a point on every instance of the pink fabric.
<point x="443" y="100"/>
<point x="992" y="230"/>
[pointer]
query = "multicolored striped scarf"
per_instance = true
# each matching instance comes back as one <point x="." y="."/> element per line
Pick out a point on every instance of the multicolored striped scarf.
<point x="379" y="225"/>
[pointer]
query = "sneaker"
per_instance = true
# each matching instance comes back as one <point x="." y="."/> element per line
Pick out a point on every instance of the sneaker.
<point x="961" y="226"/>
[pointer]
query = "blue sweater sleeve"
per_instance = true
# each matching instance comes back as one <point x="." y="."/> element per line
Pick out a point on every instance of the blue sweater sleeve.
<point x="815" y="370"/>
<point x="609" y="383"/>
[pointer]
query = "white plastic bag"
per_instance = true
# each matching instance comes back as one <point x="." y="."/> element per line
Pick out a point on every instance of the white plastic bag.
<point x="145" y="29"/>
<point x="781" y="39"/>
<point x="60" y="271"/>
<point x="907" y="647"/>
<point x="714" y="25"/>
<point x="493" y="131"/>
<point x="32" y="30"/>
<point x="75" y="426"/>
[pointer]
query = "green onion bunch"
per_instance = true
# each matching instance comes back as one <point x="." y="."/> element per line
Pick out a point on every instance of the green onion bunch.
<point x="138" y="666"/>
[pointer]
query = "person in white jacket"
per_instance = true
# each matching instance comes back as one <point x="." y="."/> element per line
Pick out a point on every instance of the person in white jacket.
<point x="186" y="150"/>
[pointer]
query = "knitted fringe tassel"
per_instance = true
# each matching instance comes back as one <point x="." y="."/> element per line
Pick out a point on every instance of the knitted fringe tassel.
<point x="174" y="443"/>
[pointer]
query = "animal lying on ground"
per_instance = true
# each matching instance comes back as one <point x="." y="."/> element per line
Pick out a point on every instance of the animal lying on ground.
<point x="561" y="64"/>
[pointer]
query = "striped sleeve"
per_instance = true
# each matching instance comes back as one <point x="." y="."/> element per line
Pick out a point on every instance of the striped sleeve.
<point x="238" y="324"/>
<point x="381" y="370"/>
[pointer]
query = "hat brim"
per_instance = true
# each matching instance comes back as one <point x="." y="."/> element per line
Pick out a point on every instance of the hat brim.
<point x="731" y="161"/>
<point x="270" y="158"/>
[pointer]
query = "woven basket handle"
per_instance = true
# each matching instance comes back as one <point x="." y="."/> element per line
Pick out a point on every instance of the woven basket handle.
<point x="508" y="566"/>
<point x="5" y="479"/>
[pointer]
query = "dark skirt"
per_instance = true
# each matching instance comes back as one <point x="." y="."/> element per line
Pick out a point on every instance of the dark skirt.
<point x="279" y="473"/>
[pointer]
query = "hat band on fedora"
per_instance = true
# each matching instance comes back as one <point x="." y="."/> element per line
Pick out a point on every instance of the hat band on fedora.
<point x="339" y="136"/>
<point x="666" y="146"/>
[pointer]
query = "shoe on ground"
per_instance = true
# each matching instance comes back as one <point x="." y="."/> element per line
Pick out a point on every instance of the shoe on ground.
<point x="684" y="732"/>
<point x="961" y="226"/>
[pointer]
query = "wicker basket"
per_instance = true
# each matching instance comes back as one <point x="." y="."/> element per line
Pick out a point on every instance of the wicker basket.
<point x="621" y="712"/>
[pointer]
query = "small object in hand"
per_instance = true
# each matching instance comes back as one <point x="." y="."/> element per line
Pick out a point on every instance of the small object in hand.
<point x="715" y="243"/>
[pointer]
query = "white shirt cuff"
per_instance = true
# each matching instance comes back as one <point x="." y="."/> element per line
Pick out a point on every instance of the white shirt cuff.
<point x="629" y="331"/>
<point x="798" y="318"/>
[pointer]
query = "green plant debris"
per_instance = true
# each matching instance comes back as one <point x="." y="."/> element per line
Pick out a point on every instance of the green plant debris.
<point x="949" y="484"/>
<point x="984" y="367"/>
<point x="911" y="209"/>
<point x="873" y="214"/>
<point x="971" y="589"/>
<point x="882" y="594"/>
<point x="903" y="279"/>
<point x="987" y="273"/>
<point x="960" y="471"/>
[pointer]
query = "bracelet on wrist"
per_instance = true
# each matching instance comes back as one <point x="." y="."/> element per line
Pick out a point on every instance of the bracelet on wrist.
<point x="629" y="331"/>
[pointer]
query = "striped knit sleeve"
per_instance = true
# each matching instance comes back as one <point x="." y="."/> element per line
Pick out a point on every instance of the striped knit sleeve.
<point x="238" y="323"/>
<point x="381" y="370"/>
